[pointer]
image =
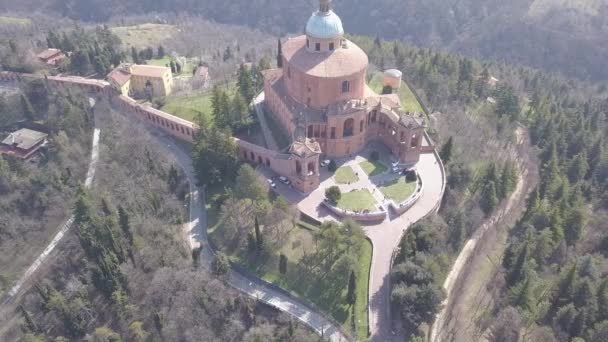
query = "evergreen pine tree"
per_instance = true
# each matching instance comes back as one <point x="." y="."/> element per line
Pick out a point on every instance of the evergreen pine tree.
<point x="446" y="150"/>
<point x="160" y="52"/>
<point x="489" y="199"/>
<point x="282" y="264"/>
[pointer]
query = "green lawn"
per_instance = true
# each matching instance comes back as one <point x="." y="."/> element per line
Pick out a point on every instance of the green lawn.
<point x="398" y="190"/>
<point x="357" y="200"/>
<point x="323" y="292"/>
<point x="144" y="35"/>
<point x="373" y="168"/>
<point x="362" y="289"/>
<point x="165" y="61"/>
<point x="346" y="175"/>
<point x="408" y="100"/>
<point x="190" y="106"/>
<point x="14" y="21"/>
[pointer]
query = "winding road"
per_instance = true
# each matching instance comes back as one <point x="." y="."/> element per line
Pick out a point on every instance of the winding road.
<point x="63" y="229"/>
<point x="196" y="230"/>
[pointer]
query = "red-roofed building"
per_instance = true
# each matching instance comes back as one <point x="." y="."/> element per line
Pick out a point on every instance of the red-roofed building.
<point x="320" y="97"/>
<point x="51" y="57"/>
<point x="23" y="143"/>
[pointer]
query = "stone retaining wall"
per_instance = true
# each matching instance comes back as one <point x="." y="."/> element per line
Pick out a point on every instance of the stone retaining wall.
<point x="361" y="217"/>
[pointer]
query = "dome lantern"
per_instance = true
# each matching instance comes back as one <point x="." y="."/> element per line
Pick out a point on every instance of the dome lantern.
<point x="324" y="23"/>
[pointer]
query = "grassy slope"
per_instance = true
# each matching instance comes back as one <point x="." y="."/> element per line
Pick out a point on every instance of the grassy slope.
<point x="186" y="69"/>
<point x="190" y="106"/>
<point x="6" y="20"/>
<point x="144" y="35"/>
<point x="408" y="100"/>
<point x="328" y="296"/>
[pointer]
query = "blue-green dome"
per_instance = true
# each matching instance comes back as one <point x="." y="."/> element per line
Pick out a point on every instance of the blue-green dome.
<point x="324" y="25"/>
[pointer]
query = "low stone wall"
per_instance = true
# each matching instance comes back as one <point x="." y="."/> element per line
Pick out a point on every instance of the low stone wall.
<point x="404" y="206"/>
<point x="361" y="217"/>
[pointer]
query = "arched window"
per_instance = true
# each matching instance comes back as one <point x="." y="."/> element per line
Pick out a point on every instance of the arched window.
<point x="298" y="168"/>
<point x="331" y="46"/>
<point x="414" y="140"/>
<point x="361" y="126"/>
<point x="311" y="168"/>
<point x="318" y="47"/>
<point x="349" y="127"/>
<point x="307" y="43"/>
<point x="288" y="72"/>
<point x="345" y="86"/>
<point x="310" y="131"/>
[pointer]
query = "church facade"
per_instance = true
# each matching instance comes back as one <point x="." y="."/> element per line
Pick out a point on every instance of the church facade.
<point x="319" y="95"/>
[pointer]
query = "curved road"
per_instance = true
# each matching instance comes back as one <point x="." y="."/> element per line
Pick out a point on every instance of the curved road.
<point x="385" y="239"/>
<point x="66" y="226"/>
<point x="451" y="285"/>
<point x="196" y="230"/>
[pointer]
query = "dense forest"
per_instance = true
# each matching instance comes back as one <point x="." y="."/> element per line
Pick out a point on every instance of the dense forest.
<point x="554" y="265"/>
<point x="35" y="196"/>
<point x="564" y="36"/>
<point x="125" y="272"/>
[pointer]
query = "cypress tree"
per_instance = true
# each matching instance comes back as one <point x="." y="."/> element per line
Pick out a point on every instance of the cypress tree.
<point x="258" y="235"/>
<point x="279" y="53"/>
<point x="283" y="264"/>
<point x="351" y="295"/>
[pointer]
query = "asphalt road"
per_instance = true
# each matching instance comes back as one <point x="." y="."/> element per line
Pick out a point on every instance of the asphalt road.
<point x="65" y="226"/>
<point x="196" y="231"/>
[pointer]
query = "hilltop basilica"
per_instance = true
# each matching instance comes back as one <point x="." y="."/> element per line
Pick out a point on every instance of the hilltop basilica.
<point x="320" y="97"/>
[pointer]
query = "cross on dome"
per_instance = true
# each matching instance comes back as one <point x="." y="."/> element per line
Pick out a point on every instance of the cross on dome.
<point x="324" y="6"/>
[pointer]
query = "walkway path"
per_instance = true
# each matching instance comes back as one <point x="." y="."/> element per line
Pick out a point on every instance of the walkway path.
<point x="258" y="103"/>
<point x="63" y="228"/>
<point x="196" y="230"/>
<point x="509" y="211"/>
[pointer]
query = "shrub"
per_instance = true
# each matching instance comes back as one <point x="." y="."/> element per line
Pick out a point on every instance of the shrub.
<point x="410" y="176"/>
<point x="333" y="166"/>
<point x="387" y="90"/>
<point x="333" y="194"/>
<point x="220" y="264"/>
<point x="375" y="156"/>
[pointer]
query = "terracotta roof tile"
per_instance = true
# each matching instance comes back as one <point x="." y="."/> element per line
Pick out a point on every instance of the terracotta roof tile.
<point x="338" y="63"/>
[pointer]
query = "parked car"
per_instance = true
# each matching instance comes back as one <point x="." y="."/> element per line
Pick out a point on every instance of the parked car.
<point x="271" y="183"/>
<point x="325" y="162"/>
<point x="284" y="180"/>
<point x="396" y="170"/>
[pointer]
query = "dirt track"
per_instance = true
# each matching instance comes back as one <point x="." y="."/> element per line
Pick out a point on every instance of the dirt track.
<point x="469" y="296"/>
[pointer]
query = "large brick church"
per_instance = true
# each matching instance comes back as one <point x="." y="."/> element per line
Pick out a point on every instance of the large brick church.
<point x="320" y="97"/>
